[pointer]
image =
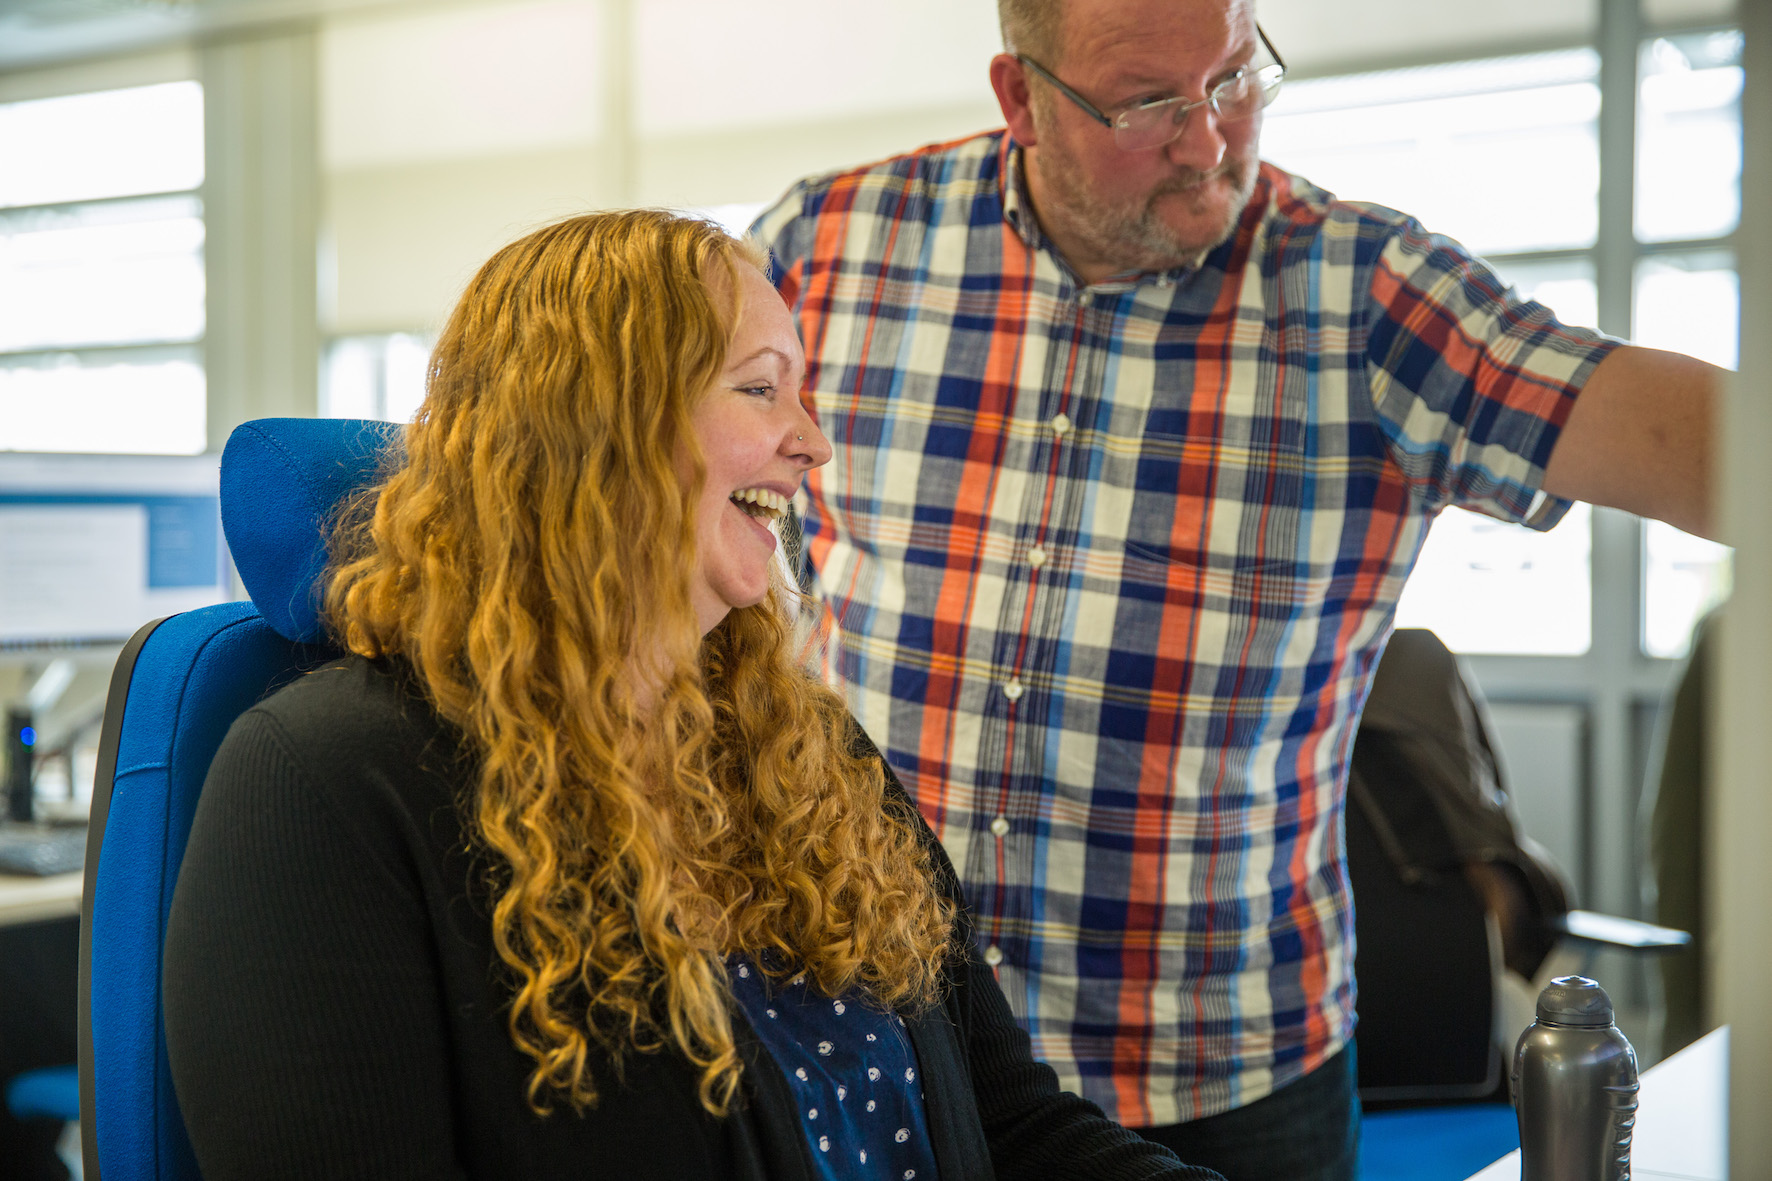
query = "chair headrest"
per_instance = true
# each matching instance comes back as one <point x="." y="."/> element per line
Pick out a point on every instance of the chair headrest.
<point x="282" y="481"/>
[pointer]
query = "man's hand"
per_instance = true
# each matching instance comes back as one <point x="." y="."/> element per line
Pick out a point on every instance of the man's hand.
<point x="1641" y="438"/>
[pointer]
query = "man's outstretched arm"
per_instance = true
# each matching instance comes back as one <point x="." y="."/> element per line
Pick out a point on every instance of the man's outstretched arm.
<point x="1641" y="437"/>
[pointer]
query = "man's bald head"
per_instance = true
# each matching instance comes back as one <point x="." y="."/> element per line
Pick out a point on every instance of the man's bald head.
<point x="1032" y="27"/>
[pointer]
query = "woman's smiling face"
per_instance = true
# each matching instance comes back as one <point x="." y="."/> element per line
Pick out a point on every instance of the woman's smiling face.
<point x="758" y="443"/>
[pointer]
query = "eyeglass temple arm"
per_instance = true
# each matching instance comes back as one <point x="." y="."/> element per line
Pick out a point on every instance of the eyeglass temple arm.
<point x="1269" y="45"/>
<point x="1089" y="108"/>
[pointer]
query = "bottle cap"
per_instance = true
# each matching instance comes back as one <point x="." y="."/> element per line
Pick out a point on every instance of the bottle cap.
<point x="1575" y="1000"/>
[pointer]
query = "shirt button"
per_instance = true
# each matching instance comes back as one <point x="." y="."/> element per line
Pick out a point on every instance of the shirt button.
<point x="1000" y="826"/>
<point x="1085" y="298"/>
<point x="993" y="955"/>
<point x="1036" y="557"/>
<point x="1061" y="423"/>
<point x="1012" y="689"/>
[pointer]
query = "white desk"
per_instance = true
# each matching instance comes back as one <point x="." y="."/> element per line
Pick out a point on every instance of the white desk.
<point x="29" y="900"/>
<point x="1682" y="1131"/>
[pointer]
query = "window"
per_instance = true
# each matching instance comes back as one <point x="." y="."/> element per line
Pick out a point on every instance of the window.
<point x="1683" y="577"/>
<point x="101" y="272"/>
<point x="1420" y="140"/>
<point x="1413" y="140"/>
<point x="1417" y="140"/>
<point x="1689" y="137"/>
<point x="380" y="377"/>
<point x="1686" y="298"/>
<point x="1569" y="631"/>
<point x="1487" y="586"/>
<point x="1689" y="303"/>
<point x="1564" y="285"/>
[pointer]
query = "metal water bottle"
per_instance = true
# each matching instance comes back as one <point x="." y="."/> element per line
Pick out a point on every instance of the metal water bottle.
<point x="1575" y="1087"/>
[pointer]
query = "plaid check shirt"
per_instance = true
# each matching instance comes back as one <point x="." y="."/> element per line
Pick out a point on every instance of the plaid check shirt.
<point x="1111" y="568"/>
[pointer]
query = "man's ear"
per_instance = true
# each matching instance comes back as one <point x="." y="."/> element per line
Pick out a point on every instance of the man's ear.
<point x="1010" y="82"/>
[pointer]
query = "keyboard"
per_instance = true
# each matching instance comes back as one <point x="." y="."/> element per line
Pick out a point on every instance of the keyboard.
<point x="42" y="850"/>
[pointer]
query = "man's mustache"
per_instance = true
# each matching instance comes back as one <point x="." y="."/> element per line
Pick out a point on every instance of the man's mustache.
<point x="1192" y="178"/>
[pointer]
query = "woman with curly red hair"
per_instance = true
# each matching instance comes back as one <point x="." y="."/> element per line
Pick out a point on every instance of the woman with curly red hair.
<point x="571" y="868"/>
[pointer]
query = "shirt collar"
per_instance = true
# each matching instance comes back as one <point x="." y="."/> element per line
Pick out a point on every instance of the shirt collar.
<point x="1018" y="209"/>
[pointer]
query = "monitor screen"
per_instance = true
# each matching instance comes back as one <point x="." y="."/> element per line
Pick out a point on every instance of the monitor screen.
<point x="94" y="546"/>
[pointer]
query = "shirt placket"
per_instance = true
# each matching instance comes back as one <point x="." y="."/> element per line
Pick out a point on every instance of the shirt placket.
<point x="1020" y="684"/>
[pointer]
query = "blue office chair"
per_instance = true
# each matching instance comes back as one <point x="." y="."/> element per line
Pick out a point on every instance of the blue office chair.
<point x="178" y="685"/>
<point x="52" y="1092"/>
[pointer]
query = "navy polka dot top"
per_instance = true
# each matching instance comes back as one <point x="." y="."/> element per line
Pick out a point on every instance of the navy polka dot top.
<point x="851" y="1070"/>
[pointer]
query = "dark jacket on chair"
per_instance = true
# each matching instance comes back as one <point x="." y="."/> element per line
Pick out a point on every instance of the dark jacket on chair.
<point x="1435" y="853"/>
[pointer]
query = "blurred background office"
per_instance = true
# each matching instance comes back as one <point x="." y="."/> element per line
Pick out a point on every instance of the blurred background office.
<point x="217" y="210"/>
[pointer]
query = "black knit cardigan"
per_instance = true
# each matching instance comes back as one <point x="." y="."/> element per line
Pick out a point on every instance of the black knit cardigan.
<point x="334" y="1006"/>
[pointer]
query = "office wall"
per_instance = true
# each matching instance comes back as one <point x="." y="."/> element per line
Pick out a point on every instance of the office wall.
<point x="446" y="132"/>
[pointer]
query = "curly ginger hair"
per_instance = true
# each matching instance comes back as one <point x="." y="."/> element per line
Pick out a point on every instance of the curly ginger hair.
<point x="527" y="557"/>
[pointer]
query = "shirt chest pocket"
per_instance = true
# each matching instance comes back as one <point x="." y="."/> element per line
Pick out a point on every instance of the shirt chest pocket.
<point x="1220" y="509"/>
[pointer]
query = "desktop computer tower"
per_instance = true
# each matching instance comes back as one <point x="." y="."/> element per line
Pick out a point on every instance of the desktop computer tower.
<point x="19" y="740"/>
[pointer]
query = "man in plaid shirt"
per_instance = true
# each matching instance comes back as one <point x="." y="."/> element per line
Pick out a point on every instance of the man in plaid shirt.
<point x="1136" y="440"/>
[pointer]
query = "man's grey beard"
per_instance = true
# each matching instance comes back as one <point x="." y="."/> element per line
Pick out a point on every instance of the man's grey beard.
<point x="1138" y="241"/>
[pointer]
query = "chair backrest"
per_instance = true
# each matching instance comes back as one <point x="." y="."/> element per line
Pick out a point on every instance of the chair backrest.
<point x="177" y="687"/>
<point x="1437" y="862"/>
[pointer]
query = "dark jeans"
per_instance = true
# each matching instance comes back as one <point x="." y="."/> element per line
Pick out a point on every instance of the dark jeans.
<point x="1306" y="1131"/>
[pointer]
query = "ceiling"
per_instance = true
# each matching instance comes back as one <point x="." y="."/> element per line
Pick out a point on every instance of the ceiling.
<point x="40" y="32"/>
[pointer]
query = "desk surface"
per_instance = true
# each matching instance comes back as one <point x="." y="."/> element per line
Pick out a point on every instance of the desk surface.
<point x="1682" y="1127"/>
<point x="30" y="900"/>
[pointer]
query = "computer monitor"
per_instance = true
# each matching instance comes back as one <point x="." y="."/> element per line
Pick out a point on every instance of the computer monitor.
<point x="94" y="546"/>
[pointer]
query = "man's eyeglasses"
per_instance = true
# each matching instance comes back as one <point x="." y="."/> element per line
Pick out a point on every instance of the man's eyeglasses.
<point x="1153" y="124"/>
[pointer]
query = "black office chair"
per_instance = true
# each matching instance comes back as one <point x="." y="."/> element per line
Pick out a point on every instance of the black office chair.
<point x="1448" y="894"/>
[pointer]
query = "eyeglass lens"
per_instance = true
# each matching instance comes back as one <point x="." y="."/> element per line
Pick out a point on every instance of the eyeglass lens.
<point x="1159" y="123"/>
